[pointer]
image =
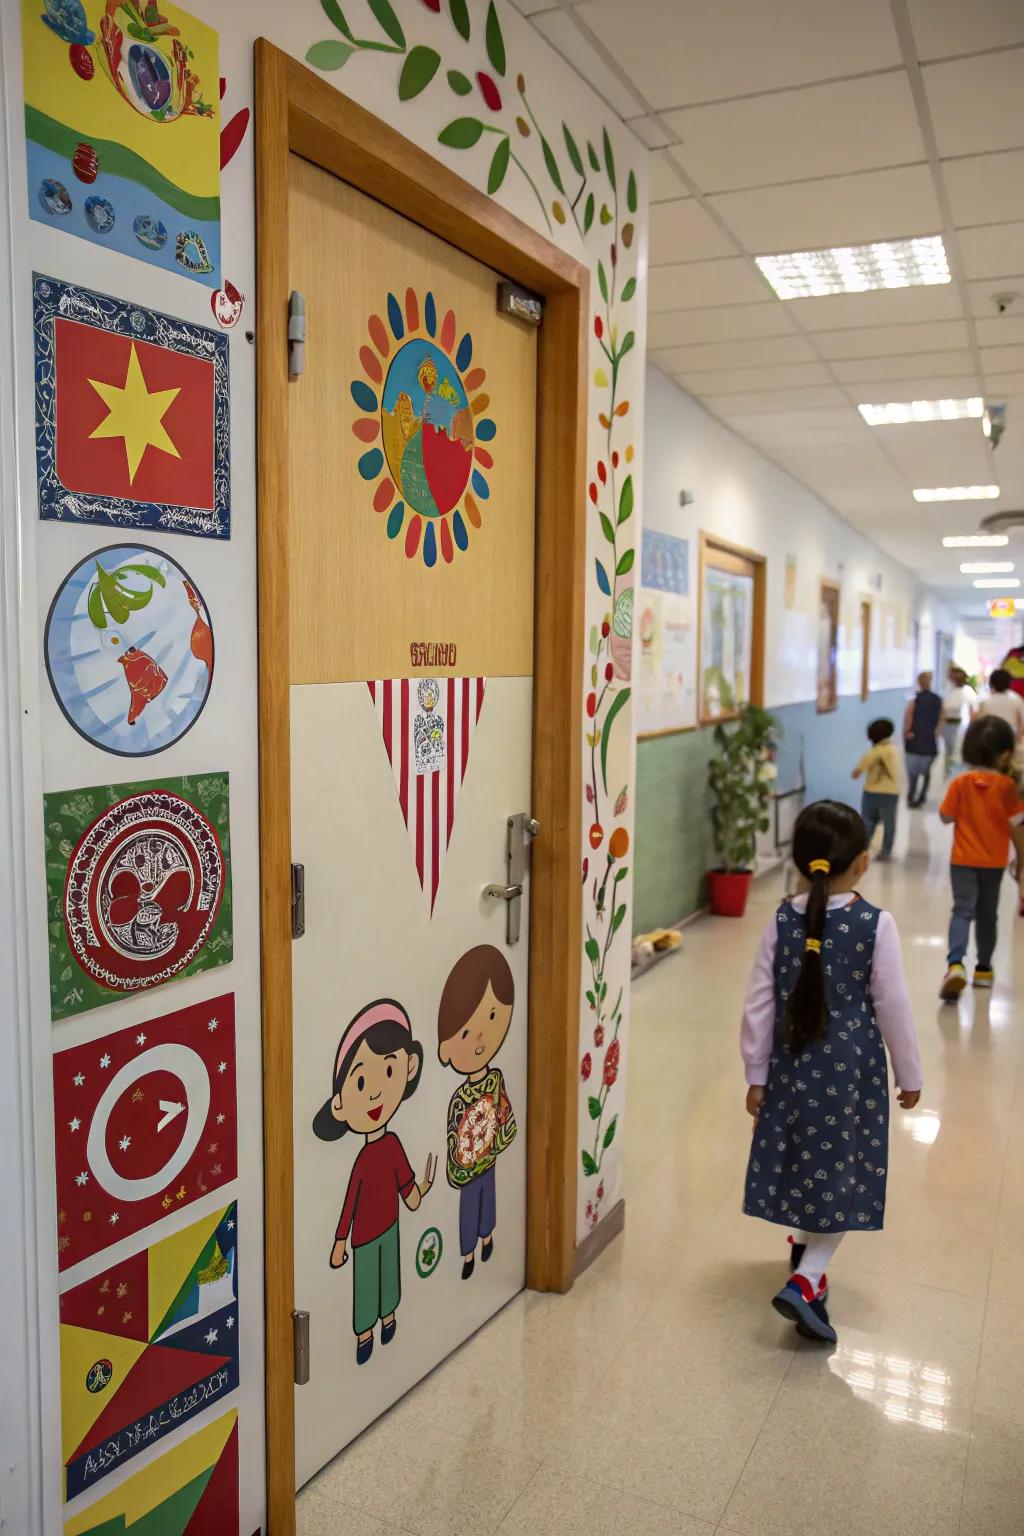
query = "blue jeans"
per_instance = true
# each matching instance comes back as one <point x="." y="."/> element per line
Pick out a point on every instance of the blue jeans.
<point x="875" y="808"/>
<point x="975" y="899"/>
<point x="477" y="1211"/>
<point x="918" y="767"/>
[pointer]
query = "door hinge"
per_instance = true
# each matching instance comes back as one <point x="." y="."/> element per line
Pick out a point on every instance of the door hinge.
<point x="296" y="333"/>
<point x="298" y="900"/>
<point x="300" y="1347"/>
<point x="520" y="303"/>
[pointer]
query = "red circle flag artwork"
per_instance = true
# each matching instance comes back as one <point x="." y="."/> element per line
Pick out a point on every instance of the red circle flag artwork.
<point x="422" y="425"/>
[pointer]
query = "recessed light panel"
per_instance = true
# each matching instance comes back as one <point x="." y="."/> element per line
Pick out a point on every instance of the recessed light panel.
<point x="857" y="268"/>
<point x="957" y="493"/>
<point x="985" y="567"/>
<point x="1001" y="582"/>
<point x="898" y="413"/>
<point x="976" y="541"/>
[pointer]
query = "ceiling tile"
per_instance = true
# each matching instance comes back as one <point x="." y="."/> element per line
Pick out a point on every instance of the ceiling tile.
<point x="999" y="386"/>
<point x="564" y="35"/>
<point x="1001" y="331"/>
<point x="663" y="184"/>
<point x="976" y="103"/>
<point x="918" y="365"/>
<point x="986" y="189"/>
<point x="682" y="231"/>
<point x="843" y="210"/>
<point x="531" y="7"/>
<point x="892" y="340"/>
<point x="981" y="293"/>
<point x="820" y="130"/>
<point x="777" y="400"/>
<point x="993" y="249"/>
<point x="942" y="462"/>
<point x="736" y="354"/>
<point x="946" y="386"/>
<point x="690" y="327"/>
<point x="729" y="381"/>
<point x="893" y="306"/>
<point x="944" y="27"/>
<point x="1000" y="360"/>
<point x="652" y="131"/>
<point x="688" y="51"/>
<point x="689" y="285"/>
<point x="793" y="428"/>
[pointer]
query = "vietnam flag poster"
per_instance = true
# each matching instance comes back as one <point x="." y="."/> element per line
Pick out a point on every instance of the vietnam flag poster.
<point x="132" y="415"/>
<point x="145" y="1346"/>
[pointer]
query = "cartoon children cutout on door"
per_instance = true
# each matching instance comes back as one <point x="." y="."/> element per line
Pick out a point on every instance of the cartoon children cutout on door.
<point x="378" y="1065"/>
<point x="473" y="1019"/>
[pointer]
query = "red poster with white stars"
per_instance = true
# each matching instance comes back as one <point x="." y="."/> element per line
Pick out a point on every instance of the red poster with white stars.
<point x="145" y="1124"/>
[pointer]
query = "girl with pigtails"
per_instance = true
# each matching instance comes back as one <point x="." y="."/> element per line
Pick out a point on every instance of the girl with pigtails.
<point x="826" y="998"/>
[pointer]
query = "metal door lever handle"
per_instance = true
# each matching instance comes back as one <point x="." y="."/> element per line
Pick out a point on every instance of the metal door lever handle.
<point x="503" y="892"/>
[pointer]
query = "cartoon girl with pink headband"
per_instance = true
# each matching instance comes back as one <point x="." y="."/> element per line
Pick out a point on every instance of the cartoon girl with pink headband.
<point x="377" y="1066"/>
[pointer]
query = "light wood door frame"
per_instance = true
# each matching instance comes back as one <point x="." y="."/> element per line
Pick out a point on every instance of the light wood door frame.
<point x="827" y="584"/>
<point x="867" y="612"/>
<point x="721" y="555"/>
<point x="299" y="113"/>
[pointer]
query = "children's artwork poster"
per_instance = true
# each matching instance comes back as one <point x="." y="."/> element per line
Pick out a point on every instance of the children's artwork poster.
<point x="191" y="1490"/>
<point x="828" y="646"/>
<point x="145" y="1346"/>
<point x="132" y="415"/>
<point x="138" y="880"/>
<point x="427" y="726"/>
<point x="727" y="635"/>
<point x="122" y="129"/>
<point x="129" y="649"/>
<point x="666" y="685"/>
<point x="144" y="1124"/>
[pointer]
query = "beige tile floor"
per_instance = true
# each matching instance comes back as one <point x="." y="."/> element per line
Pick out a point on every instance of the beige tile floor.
<point x="664" y="1395"/>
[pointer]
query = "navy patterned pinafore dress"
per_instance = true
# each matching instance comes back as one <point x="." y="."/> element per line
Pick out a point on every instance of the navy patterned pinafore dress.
<point x="820" y="1149"/>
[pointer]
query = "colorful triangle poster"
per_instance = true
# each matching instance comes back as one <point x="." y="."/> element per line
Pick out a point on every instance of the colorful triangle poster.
<point x="146" y="1345"/>
<point x="428" y="725"/>
<point x="190" y="1491"/>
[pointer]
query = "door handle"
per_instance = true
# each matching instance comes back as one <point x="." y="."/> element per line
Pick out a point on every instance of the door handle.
<point x="520" y="831"/>
<point x="503" y="892"/>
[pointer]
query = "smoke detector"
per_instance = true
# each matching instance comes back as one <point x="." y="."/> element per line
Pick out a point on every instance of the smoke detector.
<point x="1005" y="301"/>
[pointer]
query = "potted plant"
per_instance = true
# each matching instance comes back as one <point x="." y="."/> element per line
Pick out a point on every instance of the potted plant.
<point x="740" y="777"/>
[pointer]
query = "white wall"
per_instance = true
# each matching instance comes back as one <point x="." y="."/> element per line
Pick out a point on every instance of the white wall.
<point x="741" y="496"/>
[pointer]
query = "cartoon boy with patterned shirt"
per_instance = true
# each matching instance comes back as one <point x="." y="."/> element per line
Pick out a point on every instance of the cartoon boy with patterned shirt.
<point x="473" y="1019"/>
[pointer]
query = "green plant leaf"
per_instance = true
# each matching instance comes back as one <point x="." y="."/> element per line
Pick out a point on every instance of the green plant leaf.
<point x="113" y="599"/>
<point x="626" y="500"/>
<point x="461" y="133"/>
<point x="419" y="69"/>
<point x="620" y="874"/>
<point x="329" y="54"/>
<point x="458" y="82"/>
<point x="609" y="158"/>
<point x="552" y="165"/>
<point x="607" y="529"/>
<point x="617" y="919"/>
<point x="594" y="1107"/>
<point x="619" y="702"/>
<point x="626" y="562"/>
<point x="589" y="1166"/>
<point x="591" y="999"/>
<point x="602" y="281"/>
<point x="606" y="214"/>
<point x="494" y="39"/>
<point x="572" y="150"/>
<point x="150" y="572"/>
<point x="97" y="613"/>
<point x="631" y="193"/>
<point x="591" y="949"/>
<point x="628" y="289"/>
<point x="628" y="343"/>
<point x="389" y="22"/>
<point x="609" y="1135"/>
<point x="499" y="166"/>
<point x="595" y="163"/>
<point x="588" y="213"/>
<point x="460" y="17"/>
<point x="332" y="10"/>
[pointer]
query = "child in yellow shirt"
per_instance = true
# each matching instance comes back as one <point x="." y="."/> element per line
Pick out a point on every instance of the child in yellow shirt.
<point x="880" y="766"/>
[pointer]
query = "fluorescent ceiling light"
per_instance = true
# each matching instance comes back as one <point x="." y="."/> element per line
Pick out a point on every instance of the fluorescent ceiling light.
<point x="998" y="581"/>
<point x="857" y="268"/>
<point x="976" y="541"/>
<point x="985" y="567"/>
<point x="957" y="493"/>
<point x="898" y="412"/>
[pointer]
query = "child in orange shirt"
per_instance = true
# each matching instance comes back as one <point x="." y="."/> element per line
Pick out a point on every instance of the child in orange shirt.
<point x="987" y="814"/>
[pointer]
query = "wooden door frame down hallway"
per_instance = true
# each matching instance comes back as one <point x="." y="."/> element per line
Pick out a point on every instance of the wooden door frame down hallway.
<point x="299" y="113"/>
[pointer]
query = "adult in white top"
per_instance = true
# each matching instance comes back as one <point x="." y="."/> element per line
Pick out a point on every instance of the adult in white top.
<point x="958" y="708"/>
<point x="1002" y="701"/>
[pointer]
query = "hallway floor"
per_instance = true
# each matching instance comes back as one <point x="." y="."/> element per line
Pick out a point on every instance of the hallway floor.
<point x="664" y="1395"/>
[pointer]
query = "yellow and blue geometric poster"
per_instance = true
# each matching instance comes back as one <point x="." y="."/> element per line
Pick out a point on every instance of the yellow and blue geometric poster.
<point x="122" y="122"/>
<point x="147" y="1345"/>
<point x="191" y="1491"/>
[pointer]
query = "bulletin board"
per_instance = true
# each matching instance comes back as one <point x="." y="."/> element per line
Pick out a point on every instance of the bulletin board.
<point x="665" y="690"/>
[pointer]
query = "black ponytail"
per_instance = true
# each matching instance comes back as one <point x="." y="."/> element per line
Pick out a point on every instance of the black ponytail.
<point x="827" y="839"/>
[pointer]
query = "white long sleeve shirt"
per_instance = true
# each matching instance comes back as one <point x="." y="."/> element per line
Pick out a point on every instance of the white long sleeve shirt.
<point x="887" y="988"/>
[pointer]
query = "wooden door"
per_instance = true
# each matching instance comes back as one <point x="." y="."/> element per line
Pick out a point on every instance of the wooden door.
<point x="411" y="569"/>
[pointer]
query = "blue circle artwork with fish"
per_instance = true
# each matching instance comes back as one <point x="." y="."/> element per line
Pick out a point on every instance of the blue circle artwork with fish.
<point x="99" y="214"/>
<point x="150" y="232"/>
<point x="54" y="197"/>
<point x="129" y="650"/>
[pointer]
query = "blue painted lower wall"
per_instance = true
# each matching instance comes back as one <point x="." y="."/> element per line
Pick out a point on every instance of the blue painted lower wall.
<point x="673" y="823"/>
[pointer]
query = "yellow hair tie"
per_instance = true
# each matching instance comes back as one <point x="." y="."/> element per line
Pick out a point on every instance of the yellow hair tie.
<point x="814" y="945"/>
<point x="820" y="866"/>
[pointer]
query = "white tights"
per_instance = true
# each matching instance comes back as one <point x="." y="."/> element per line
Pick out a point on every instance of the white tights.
<point x="818" y="1254"/>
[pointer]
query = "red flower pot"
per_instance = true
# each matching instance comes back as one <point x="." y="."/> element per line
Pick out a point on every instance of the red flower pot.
<point x="727" y="892"/>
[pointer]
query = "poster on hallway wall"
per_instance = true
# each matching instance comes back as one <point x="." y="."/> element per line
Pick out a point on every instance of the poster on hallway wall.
<point x="666" y="682"/>
<point x="122" y="129"/>
<point x="727" y="634"/>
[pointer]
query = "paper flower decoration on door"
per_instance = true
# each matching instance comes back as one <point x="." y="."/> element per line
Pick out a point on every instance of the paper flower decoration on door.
<point x="425" y="425"/>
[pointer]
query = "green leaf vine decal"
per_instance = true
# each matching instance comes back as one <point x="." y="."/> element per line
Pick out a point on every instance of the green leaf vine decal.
<point x="420" y="67"/>
<point x="389" y="22"/>
<point x="619" y="702"/>
<point x="499" y="166"/>
<point x="461" y="133"/>
<point x="458" y="83"/>
<point x="333" y="12"/>
<point x="329" y="54"/>
<point x="495" y="41"/>
<point x="459" y="11"/>
<point x="572" y="150"/>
